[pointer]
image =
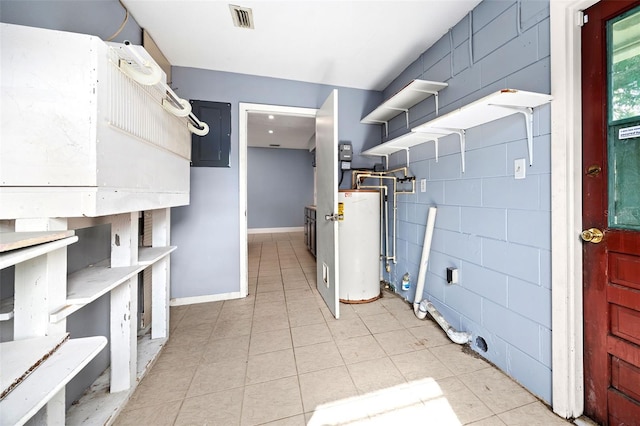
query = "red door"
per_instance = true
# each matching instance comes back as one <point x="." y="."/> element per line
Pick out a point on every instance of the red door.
<point x="611" y="204"/>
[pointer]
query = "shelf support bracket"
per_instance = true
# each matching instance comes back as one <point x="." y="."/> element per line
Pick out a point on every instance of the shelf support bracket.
<point x="463" y="145"/>
<point x="462" y="133"/>
<point x="527" y="112"/>
<point x="435" y="96"/>
<point x="407" y="150"/>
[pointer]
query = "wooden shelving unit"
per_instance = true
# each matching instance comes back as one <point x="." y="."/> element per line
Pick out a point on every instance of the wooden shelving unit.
<point x="39" y="311"/>
<point x="410" y="95"/>
<point x="490" y="108"/>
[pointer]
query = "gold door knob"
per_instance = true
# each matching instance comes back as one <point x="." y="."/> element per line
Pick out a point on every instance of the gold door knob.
<point x="592" y="235"/>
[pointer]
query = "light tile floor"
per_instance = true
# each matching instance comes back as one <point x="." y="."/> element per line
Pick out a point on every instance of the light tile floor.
<point x="278" y="357"/>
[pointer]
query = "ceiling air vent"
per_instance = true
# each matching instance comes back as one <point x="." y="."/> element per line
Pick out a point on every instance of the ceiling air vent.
<point x="242" y="16"/>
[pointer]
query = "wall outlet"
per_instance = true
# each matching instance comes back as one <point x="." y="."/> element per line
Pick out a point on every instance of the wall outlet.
<point x="519" y="168"/>
<point x="423" y="185"/>
<point x="452" y="275"/>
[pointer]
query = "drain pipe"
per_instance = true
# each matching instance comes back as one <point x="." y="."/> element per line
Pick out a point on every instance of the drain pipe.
<point x="424" y="260"/>
<point x="459" y="337"/>
<point x="420" y="308"/>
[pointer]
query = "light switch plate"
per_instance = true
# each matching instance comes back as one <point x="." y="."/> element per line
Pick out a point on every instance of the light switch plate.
<point x="519" y="168"/>
<point x="423" y="185"/>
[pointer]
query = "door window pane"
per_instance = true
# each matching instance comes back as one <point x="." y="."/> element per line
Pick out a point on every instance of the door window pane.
<point x="623" y="53"/>
<point x="624" y="66"/>
<point x="624" y="176"/>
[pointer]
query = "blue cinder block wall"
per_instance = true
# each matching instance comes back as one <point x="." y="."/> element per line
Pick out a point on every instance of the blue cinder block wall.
<point x="495" y="229"/>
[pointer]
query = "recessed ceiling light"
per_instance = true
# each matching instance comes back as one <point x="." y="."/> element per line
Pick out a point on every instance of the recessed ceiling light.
<point x="270" y="132"/>
<point x="271" y="117"/>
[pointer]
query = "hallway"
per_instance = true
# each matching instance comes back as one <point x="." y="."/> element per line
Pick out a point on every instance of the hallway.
<point x="278" y="357"/>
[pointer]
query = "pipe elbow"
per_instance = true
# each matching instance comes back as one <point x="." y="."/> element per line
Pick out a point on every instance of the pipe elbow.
<point x="200" y="132"/>
<point x="154" y="76"/>
<point x="178" y="112"/>
<point x="459" y="337"/>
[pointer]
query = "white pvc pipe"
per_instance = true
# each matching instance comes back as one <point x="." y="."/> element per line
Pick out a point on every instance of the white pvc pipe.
<point x="424" y="260"/>
<point x="153" y="78"/>
<point x="178" y="112"/>
<point x="459" y="337"/>
<point x="199" y="132"/>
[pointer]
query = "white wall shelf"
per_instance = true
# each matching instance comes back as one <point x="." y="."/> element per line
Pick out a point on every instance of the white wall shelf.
<point x="48" y="379"/>
<point x="402" y="143"/>
<point x="493" y="107"/>
<point x="411" y="94"/>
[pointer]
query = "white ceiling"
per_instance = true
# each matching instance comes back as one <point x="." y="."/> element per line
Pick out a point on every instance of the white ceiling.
<point x="362" y="44"/>
<point x="280" y="131"/>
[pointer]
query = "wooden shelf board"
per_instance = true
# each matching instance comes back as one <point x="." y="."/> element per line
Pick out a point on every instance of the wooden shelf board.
<point x="150" y="255"/>
<point x="88" y="284"/>
<point x="413" y="93"/>
<point x="16" y="256"/>
<point x="17" y="240"/>
<point x="6" y="309"/>
<point x="493" y="107"/>
<point x="19" y="357"/>
<point x="101" y="406"/>
<point x="48" y="379"/>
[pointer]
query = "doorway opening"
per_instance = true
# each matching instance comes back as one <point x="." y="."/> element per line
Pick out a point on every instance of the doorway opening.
<point x="250" y="117"/>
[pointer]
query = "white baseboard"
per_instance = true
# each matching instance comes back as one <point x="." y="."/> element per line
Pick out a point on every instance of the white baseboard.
<point x="204" y="299"/>
<point x="274" y="230"/>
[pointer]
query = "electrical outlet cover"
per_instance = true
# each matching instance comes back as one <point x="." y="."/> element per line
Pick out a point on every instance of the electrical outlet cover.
<point x="423" y="185"/>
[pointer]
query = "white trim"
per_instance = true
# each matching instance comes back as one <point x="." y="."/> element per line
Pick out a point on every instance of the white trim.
<point x="243" y="113"/>
<point x="566" y="207"/>
<point x="275" y="230"/>
<point x="180" y="301"/>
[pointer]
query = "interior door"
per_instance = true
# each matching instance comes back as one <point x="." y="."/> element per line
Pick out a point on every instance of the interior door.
<point x="611" y="211"/>
<point x="327" y="203"/>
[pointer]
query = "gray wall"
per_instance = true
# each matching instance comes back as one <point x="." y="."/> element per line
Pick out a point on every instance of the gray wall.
<point x="279" y="185"/>
<point x="493" y="228"/>
<point x="100" y="18"/>
<point x="207" y="231"/>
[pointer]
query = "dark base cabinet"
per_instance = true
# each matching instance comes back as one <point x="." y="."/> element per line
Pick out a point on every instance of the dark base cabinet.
<point x="310" y="228"/>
